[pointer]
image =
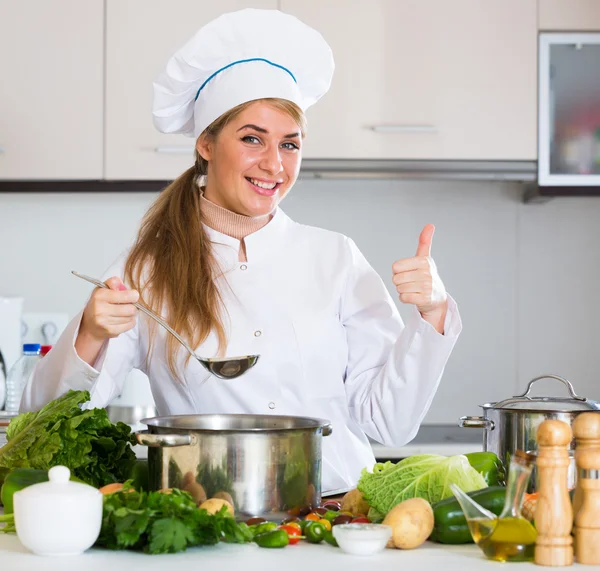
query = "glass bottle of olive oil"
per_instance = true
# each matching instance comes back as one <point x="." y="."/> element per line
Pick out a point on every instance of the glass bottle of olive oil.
<point x="509" y="536"/>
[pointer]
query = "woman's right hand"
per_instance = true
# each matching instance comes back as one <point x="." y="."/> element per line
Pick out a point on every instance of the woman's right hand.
<point x="108" y="313"/>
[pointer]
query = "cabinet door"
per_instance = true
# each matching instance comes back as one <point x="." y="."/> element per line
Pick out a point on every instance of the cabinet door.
<point x="51" y="90"/>
<point x="141" y="36"/>
<point x="569" y="15"/>
<point x="423" y="79"/>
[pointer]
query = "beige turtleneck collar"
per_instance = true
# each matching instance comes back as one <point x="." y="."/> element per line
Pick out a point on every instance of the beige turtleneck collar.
<point x="235" y="225"/>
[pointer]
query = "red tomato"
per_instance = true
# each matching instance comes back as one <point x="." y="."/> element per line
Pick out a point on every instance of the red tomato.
<point x="360" y="520"/>
<point x="293" y="532"/>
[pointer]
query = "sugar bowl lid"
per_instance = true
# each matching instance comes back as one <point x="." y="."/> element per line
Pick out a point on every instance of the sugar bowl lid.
<point x="525" y="403"/>
<point x="59" y="487"/>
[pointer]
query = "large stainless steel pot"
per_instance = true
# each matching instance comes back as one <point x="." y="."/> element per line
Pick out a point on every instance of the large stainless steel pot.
<point x="512" y="424"/>
<point x="269" y="465"/>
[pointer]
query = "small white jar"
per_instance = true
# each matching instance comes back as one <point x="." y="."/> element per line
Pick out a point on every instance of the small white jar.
<point x="362" y="538"/>
<point x="58" y="517"/>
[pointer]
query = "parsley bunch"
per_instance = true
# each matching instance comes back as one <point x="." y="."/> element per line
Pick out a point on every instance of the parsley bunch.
<point x="156" y="522"/>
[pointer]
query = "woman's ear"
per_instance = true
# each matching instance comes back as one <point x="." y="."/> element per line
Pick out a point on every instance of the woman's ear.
<point x="204" y="147"/>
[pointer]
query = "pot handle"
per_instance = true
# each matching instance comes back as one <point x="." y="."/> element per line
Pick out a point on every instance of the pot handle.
<point x="164" y="440"/>
<point x="475" y="422"/>
<point x="561" y="379"/>
<point x="327" y="429"/>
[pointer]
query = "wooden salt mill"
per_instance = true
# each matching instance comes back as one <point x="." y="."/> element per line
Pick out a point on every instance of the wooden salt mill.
<point x="586" y="429"/>
<point x="587" y="520"/>
<point x="554" y="513"/>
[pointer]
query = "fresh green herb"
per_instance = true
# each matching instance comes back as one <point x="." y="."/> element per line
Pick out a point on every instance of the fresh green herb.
<point x="96" y="451"/>
<point x="157" y="522"/>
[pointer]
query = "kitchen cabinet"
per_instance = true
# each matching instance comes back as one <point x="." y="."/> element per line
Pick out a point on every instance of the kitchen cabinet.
<point x="141" y="36"/>
<point x="51" y="57"/>
<point x="569" y="109"/>
<point x="569" y="15"/>
<point x="423" y="79"/>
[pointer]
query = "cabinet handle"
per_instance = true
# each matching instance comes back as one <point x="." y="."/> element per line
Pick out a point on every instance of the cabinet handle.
<point x="404" y="128"/>
<point x="174" y="150"/>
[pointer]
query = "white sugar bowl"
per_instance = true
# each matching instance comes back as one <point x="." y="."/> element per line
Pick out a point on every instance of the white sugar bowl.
<point x="58" y="517"/>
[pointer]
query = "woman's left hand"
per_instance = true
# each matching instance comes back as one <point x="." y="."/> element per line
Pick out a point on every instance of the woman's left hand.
<point x="418" y="282"/>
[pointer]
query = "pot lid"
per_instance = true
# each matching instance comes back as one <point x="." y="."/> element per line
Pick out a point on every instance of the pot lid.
<point x="572" y="403"/>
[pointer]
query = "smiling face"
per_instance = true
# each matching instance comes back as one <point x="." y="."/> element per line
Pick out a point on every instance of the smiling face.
<point x="253" y="161"/>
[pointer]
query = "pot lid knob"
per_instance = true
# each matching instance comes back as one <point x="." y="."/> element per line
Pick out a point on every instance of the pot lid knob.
<point x="586" y="426"/>
<point x="554" y="433"/>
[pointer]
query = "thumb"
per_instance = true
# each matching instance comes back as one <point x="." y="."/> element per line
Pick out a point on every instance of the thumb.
<point x="424" y="247"/>
<point x="115" y="283"/>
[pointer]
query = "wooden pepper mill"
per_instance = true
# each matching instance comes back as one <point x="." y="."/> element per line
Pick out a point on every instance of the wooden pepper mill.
<point x="554" y="513"/>
<point x="587" y="520"/>
<point x="586" y="429"/>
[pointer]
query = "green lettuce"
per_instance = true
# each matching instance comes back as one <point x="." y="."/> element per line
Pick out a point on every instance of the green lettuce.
<point x="426" y="476"/>
<point x="86" y="441"/>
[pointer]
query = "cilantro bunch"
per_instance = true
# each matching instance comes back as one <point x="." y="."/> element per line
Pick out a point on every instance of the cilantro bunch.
<point x="156" y="522"/>
<point x="96" y="451"/>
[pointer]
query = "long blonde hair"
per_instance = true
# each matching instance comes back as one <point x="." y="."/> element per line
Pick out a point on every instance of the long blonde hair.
<point x="172" y="263"/>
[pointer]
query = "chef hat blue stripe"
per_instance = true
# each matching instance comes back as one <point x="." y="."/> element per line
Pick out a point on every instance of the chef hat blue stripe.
<point x="244" y="61"/>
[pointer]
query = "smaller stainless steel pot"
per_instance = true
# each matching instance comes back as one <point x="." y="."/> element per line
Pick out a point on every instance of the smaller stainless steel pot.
<point x="268" y="465"/>
<point x="512" y="424"/>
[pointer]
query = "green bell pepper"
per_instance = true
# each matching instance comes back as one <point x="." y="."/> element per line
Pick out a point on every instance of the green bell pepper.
<point x="489" y="466"/>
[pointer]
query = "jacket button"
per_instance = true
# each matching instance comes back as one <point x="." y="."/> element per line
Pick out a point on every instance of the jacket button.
<point x="243" y="267"/>
<point x="271" y="405"/>
<point x="257" y="333"/>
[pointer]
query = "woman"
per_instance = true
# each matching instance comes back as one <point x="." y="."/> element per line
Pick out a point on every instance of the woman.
<point x="236" y="276"/>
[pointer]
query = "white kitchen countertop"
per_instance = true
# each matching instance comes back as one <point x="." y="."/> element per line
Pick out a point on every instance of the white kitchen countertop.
<point x="225" y="557"/>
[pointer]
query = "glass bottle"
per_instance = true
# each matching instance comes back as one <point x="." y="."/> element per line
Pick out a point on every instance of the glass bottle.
<point x="509" y="536"/>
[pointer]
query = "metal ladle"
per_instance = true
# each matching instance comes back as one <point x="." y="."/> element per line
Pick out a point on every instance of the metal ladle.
<point x="228" y="368"/>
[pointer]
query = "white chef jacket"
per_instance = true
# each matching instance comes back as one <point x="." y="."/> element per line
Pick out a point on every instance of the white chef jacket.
<point x="332" y="345"/>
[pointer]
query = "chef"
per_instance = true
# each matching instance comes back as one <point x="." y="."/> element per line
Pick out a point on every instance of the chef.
<point x="233" y="274"/>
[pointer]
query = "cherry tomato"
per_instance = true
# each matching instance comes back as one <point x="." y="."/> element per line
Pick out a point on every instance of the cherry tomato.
<point x="293" y="524"/>
<point x="360" y="520"/>
<point x="313" y="517"/>
<point x="326" y="523"/>
<point x="320" y="511"/>
<point x="293" y="533"/>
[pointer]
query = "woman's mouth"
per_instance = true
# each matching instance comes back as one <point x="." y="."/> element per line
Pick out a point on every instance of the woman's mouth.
<point x="264" y="187"/>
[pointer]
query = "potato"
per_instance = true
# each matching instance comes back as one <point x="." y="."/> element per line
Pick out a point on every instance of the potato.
<point x="225" y="496"/>
<point x="355" y="503"/>
<point x="411" y="522"/>
<point x="213" y="505"/>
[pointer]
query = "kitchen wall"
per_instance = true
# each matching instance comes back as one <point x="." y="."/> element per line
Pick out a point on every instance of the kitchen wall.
<point x="525" y="275"/>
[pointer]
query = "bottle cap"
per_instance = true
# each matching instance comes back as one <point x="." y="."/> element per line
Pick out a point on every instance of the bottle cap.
<point x="32" y="347"/>
<point x="45" y="349"/>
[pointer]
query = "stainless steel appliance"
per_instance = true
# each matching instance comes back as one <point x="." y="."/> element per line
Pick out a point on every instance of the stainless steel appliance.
<point x="269" y="465"/>
<point x="512" y="424"/>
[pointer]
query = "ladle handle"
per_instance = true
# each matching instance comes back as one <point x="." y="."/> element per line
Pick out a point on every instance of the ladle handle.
<point x="561" y="379"/>
<point x="149" y="313"/>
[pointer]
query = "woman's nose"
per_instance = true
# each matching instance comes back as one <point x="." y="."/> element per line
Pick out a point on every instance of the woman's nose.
<point x="271" y="161"/>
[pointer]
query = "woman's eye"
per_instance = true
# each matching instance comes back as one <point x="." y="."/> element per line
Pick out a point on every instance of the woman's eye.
<point x="291" y="146"/>
<point x="250" y="139"/>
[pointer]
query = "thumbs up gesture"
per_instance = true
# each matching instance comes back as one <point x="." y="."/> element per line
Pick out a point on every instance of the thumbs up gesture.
<point x="418" y="283"/>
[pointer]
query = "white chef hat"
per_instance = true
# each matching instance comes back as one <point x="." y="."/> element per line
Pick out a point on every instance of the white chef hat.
<point x="238" y="57"/>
